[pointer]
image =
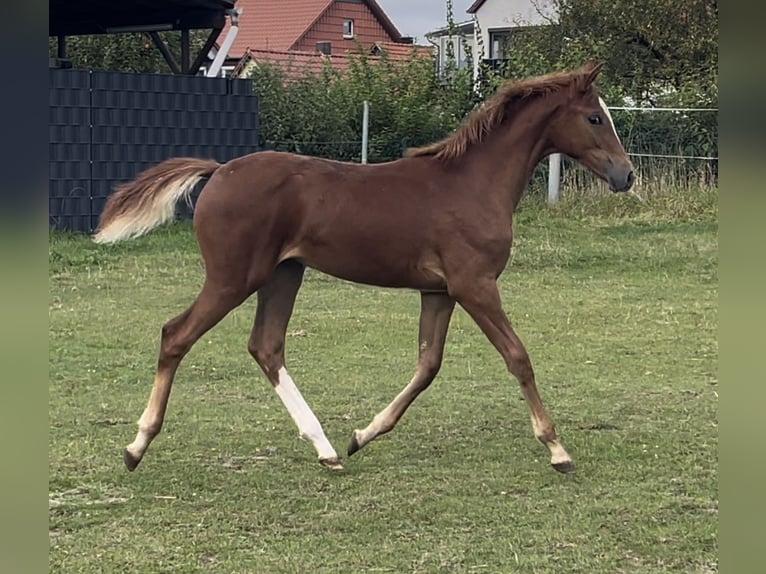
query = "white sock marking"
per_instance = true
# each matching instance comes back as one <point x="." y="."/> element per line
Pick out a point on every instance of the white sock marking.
<point x="141" y="443"/>
<point x="308" y="424"/>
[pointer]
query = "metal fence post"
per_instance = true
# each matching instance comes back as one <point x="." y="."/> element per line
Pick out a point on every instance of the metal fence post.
<point x="554" y="177"/>
<point x="365" y="130"/>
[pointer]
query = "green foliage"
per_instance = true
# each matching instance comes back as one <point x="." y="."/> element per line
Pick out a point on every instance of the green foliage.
<point x="655" y="52"/>
<point x="321" y="114"/>
<point x="649" y="47"/>
<point x="410" y="105"/>
<point x="659" y="53"/>
<point x="130" y="52"/>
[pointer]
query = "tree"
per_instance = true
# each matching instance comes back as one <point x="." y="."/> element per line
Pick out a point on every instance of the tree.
<point x="125" y="52"/>
<point x="650" y="47"/>
<point x="657" y="53"/>
<point x="320" y="114"/>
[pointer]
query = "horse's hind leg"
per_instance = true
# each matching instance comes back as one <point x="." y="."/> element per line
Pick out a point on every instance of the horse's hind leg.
<point x="178" y="336"/>
<point x="267" y="346"/>
<point x="435" y="313"/>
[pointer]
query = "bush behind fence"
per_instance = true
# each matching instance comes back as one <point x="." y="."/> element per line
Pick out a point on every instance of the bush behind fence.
<point x="410" y="105"/>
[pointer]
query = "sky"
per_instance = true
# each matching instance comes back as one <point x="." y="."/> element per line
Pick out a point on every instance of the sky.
<point x="416" y="17"/>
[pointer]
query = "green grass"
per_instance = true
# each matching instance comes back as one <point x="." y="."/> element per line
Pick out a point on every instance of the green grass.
<point x="616" y="304"/>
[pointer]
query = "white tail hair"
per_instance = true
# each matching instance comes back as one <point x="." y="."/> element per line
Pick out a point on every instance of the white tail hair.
<point x="149" y="201"/>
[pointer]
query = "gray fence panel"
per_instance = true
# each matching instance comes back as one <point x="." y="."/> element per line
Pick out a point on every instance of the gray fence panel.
<point x="106" y="127"/>
<point x="69" y="118"/>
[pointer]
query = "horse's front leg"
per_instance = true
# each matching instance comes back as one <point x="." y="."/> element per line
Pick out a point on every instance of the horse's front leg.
<point x="481" y="299"/>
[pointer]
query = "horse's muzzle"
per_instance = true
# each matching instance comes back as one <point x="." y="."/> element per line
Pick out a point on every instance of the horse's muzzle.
<point x="621" y="180"/>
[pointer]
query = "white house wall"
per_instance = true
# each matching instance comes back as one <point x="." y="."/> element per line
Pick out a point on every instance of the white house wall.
<point x="495" y="14"/>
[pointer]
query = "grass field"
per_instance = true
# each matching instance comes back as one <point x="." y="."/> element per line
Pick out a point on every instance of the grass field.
<point x="616" y="302"/>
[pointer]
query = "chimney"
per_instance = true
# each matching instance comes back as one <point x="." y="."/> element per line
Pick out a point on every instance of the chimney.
<point x="324" y="48"/>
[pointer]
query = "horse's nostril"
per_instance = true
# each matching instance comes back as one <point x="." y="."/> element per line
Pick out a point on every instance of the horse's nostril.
<point x="631" y="177"/>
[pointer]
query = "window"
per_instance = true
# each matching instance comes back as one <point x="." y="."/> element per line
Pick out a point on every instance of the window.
<point x="348" y="28"/>
<point x="457" y="51"/>
<point x="499" y="44"/>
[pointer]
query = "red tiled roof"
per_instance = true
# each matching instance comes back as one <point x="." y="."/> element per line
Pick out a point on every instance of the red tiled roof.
<point x="273" y="24"/>
<point x="297" y="65"/>
<point x="398" y="51"/>
<point x="279" y="24"/>
<point x="294" y="64"/>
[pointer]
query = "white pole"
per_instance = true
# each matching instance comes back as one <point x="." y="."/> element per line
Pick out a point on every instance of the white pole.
<point x="215" y="67"/>
<point x="365" y="130"/>
<point x="554" y="177"/>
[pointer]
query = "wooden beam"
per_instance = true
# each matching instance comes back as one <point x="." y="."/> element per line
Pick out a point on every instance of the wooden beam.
<point x="61" y="47"/>
<point x="163" y="48"/>
<point x="185" y="57"/>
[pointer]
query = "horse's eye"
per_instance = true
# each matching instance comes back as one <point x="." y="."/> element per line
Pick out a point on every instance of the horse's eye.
<point x="595" y="119"/>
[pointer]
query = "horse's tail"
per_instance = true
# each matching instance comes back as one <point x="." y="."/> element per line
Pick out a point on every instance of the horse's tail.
<point x="137" y="207"/>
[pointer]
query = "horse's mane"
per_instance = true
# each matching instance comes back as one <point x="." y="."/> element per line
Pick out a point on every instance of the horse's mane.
<point x="495" y="109"/>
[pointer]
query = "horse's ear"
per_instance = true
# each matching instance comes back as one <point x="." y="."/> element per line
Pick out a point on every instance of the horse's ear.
<point x="592" y="70"/>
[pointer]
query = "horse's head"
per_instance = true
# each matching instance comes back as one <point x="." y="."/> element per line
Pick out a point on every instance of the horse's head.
<point x="583" y="129"/>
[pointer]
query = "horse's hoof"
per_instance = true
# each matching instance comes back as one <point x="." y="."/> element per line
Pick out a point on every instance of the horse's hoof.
<point x="353" y="446"/>
<point x="332" y="463"/>
<point x="130" y="461"/>
<point x="565" y="467"/>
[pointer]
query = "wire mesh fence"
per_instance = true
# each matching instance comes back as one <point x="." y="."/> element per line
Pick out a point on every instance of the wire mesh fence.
<point x="378" y="149"/>
<point x="670" y="148"/>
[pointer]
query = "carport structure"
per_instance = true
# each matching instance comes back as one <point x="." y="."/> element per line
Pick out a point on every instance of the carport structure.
<point x="86" y="17"/>
<point x="106" y="126"/>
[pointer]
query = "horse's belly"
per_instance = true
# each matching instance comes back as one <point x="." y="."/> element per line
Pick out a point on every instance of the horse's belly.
<point x="382" y="273"/>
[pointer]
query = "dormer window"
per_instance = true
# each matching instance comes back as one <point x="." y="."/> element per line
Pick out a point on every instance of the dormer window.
<point x="348" y="28"/>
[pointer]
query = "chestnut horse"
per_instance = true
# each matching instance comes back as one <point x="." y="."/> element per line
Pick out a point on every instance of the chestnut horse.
<point x="438" y="221"/>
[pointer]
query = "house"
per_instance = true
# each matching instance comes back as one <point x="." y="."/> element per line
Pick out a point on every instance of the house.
<point x="309" y="33"/>
<point x="498" y="19"/>
<point x="462" y="37"/>
<point x="491" y="29"/>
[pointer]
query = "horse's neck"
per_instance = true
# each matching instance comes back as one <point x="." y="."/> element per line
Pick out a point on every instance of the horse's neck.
<point x="507" y="157"/>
